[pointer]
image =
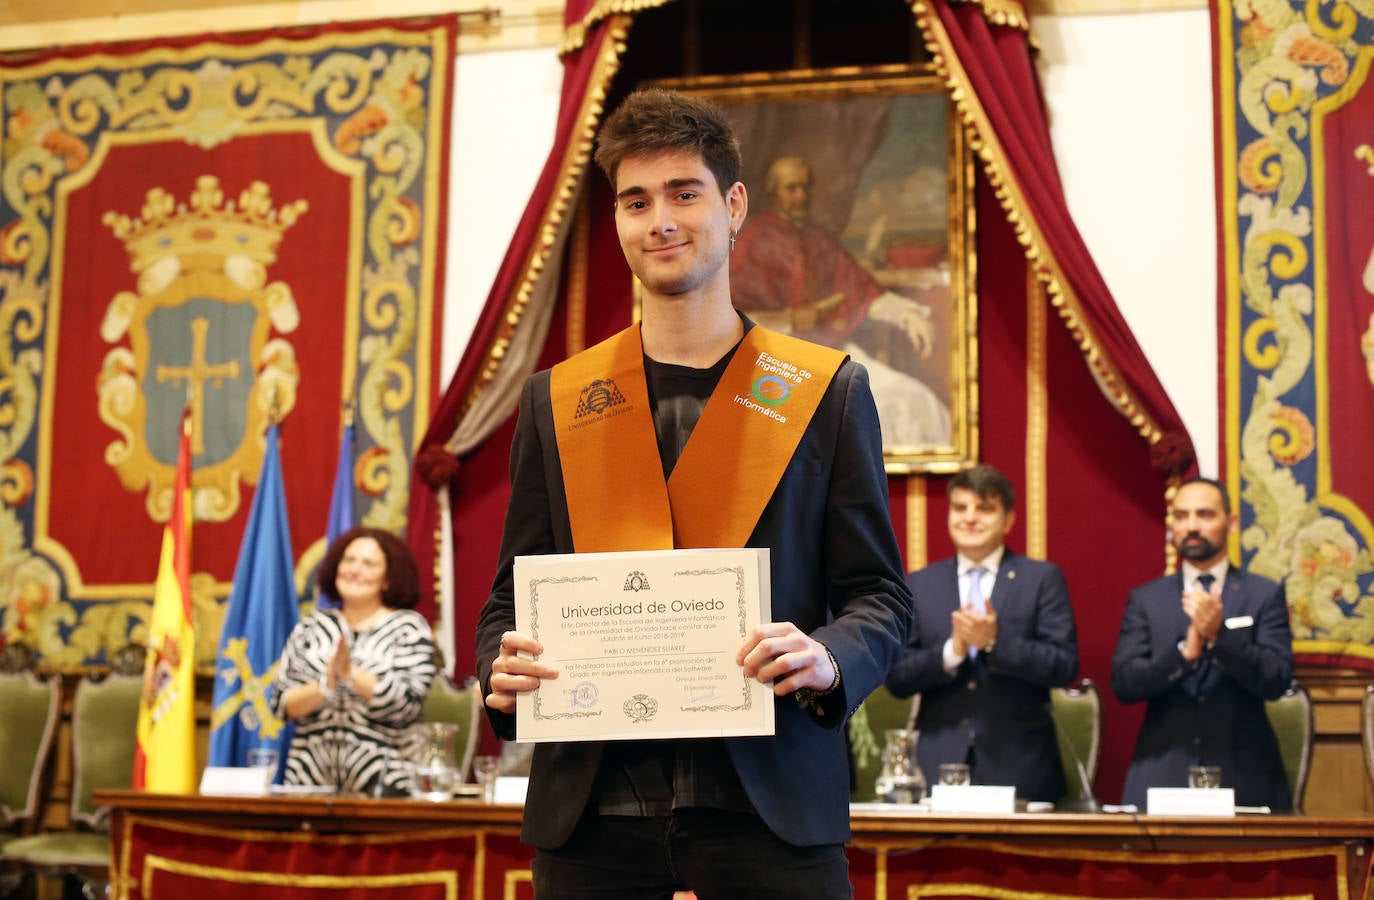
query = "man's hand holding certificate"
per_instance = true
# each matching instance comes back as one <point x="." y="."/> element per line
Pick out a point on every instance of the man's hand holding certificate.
<point x="644" y="644"/>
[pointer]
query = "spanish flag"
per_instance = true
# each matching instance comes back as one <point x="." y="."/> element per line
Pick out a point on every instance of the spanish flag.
<point x="166" y="757"/>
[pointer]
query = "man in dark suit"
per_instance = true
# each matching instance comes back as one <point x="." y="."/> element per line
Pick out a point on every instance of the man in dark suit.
<point x="993" y="632"/>
<point x="757" y="816"/>
<point x="1205" y="647"/>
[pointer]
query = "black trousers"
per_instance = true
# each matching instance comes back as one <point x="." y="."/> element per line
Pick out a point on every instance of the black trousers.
<point x="716" y="853"/>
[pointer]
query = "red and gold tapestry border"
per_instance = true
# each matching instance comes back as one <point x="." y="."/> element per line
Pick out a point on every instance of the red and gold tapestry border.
<point x="250" y="223"/>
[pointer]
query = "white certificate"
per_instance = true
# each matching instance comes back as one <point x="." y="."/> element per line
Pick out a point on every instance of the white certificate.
<point x="644" y="644"/>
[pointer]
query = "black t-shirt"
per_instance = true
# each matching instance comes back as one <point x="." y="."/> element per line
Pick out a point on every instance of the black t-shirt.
<point x="652" y="778"/>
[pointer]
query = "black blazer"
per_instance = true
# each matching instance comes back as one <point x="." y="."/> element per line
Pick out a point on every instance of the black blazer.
<point x="836" y="574"/>
<point x="999" y="701"/>
<point x="1211" y="714"/>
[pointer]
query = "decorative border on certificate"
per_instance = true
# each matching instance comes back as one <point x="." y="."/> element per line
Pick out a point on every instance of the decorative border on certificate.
<point x="584" y="694"/>
<point x="644" y="644"/>
<point x="698" y="699"/>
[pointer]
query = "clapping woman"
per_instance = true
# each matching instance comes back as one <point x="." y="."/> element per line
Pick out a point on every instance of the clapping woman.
<point x="354" y="678"/>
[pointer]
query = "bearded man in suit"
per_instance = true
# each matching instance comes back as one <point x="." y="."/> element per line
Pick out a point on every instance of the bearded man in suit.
<point x="1205" y="647"/>
<point x="993" y="632"/>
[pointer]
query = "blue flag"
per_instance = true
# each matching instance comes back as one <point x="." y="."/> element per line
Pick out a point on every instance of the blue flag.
<point x="262" y="610"/>
<point x="341" y="503"/>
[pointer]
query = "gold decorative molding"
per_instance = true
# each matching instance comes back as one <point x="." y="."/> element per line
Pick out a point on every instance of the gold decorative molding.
<point x="1108" y="7"/>
<point x="484" y="26"/>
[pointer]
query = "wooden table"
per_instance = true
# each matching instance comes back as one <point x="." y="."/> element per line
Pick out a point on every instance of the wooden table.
<point x="166" y="846"/>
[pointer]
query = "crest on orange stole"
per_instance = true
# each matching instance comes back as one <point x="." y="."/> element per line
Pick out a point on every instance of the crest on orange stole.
<point x="199" y="328"/>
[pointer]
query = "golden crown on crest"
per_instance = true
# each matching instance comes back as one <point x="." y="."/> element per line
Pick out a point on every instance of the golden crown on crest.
<point x="206" y="230"/>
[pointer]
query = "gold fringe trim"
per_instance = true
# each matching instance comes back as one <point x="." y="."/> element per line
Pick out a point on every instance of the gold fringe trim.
<point x="579" y="263"/>
<point x="1003" y="12"/>
<point x="575" y="35"/>
<point x="917" y="551"/>
<point x="575" y="160"/>
<point x="1037" y="421"/>
<point x="1170" y="554"/>
<point x="1043" y="265"/>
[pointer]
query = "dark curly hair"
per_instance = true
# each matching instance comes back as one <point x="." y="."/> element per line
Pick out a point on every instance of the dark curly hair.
<point x="655" y="120"/>
<point x="402" y="590"/>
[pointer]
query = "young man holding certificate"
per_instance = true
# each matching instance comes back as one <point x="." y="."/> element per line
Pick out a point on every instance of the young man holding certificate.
<point x="696" y="429"/>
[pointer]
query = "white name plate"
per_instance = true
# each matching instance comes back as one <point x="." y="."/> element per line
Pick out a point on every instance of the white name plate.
<point x="236" y="781"/>
<point x="973" y="798"/>
<point x="1190" y="802"/>
<point x="511" y="789"/>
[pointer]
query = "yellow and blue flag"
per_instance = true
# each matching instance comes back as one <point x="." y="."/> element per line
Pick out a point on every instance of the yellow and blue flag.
<point x="263" y="608"/>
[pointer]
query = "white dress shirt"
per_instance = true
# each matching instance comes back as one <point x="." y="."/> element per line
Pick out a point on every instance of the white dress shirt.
<point x="989" y="564"/>
<point x="1192" y="573"/>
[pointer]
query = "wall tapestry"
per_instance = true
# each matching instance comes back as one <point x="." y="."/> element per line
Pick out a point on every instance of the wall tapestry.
<point x="1295" y="157"/>
<point x="249" y="225"/>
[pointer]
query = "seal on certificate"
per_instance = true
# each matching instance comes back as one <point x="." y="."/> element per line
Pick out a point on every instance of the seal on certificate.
<point x="584" y="695"/>
<point x="640" y="708"/>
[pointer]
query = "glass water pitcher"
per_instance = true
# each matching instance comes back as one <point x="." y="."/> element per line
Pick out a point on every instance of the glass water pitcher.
<point x="900" y="780"/>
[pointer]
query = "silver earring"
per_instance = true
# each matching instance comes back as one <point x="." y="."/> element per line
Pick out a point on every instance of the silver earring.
<point x="733" y="234"/>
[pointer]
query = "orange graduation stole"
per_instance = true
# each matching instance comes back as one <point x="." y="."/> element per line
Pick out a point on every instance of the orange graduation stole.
<point x="738" y="451"/>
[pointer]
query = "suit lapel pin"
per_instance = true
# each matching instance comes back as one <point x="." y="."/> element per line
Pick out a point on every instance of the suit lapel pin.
<point x="1011" y="574"/>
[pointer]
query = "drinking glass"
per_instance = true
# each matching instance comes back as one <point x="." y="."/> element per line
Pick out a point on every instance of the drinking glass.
<point x="1204" y="776"/>
<point x="485" y="771"/>
<point x="264" y="758"/>
<point x="954" y="773"/>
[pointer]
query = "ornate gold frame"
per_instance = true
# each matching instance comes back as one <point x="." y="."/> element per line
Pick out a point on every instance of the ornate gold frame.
<point x="782" y="102"/>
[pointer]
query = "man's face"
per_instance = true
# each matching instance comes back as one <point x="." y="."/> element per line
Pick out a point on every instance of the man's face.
<point x="1198" y="524"/>
<point x="978" y="525"/>
<point x="673" y="223"/>
<point x="792" y="190"/>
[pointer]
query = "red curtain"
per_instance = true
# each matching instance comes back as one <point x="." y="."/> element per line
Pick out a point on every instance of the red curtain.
<point x="990" y="63"/>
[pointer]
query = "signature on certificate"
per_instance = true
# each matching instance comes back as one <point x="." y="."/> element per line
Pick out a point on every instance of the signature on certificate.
<point x="705" y="693"/>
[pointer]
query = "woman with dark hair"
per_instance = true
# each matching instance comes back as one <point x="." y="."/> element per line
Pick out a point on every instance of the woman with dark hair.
<point x="354" y="678"/>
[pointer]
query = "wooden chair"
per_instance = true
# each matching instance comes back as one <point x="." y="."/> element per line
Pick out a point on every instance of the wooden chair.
<point x="1078" y="725"/>
<point x="104" y="736"/>
<point x="1291" y="718"/>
